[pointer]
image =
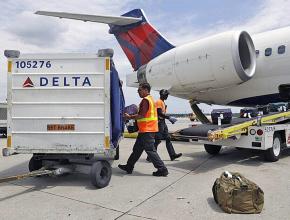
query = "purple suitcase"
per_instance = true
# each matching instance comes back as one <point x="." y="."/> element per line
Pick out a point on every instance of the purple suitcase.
<point x="131" y="124"/>
<point x="131" y="109"/>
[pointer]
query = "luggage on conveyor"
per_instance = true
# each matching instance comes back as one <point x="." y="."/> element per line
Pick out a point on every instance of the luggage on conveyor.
<point x="278" y="107"/>
<point x="224" y="114"/>
<point x="264" y="109"/>
<point x="248" y="112"/>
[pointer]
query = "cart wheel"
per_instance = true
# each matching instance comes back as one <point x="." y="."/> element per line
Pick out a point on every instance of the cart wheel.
<point x="117" y="156"/>
<point x="273" y="153"/>
<point x="34" y="164"/>
<point x="101" y="173"/>
<point x="5" y="152"/>
<point x="212" y="149"/>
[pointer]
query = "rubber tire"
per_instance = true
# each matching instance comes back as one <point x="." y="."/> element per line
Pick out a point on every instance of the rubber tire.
<point x="269" y="154"/>
<point x="34" y="164"/>
<point x="101" y="172"/>
<point x="212" y="149"/>
<point x="6" y="152"/>
<point x="117" y="156"/>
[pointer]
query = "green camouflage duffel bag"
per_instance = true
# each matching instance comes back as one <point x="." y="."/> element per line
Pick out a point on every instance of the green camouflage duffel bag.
<point x="236" y="194"/>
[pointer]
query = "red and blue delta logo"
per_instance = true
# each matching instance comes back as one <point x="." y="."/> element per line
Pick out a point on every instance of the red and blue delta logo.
<point x="28" y="83"/>
<point x="57" y="81"/>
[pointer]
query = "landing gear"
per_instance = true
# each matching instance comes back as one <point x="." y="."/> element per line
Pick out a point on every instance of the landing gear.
<point x="200" y="116"/>
<point x="212" y="149"/>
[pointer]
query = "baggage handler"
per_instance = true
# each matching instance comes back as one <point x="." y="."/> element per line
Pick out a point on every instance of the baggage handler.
<point x="147" y="122"/>
<point x="163" y="129"/>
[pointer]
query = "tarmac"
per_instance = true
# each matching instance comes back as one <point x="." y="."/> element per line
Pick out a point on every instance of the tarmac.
<point x="184" y="194"/>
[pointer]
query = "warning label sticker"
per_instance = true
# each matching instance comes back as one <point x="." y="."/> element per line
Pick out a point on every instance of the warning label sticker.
<point x="60" y="127"/>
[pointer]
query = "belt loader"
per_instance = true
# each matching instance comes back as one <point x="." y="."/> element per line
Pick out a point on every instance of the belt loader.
<point x="268" y="133"/>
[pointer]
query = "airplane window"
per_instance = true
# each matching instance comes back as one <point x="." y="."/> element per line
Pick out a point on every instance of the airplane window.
<point x="281" y="49"/>
<point x="268" y="52"/>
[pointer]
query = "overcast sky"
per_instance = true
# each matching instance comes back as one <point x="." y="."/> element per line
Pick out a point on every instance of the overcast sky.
<point x="179" y="21"/>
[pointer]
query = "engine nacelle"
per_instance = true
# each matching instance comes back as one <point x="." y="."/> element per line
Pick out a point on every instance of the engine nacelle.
<point x="219" y="61"/>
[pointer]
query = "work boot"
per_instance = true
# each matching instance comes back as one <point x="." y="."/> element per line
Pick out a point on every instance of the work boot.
<point x="161" y="172"/>
<point x="175" y="156"/>
<point x="126" y="168"/>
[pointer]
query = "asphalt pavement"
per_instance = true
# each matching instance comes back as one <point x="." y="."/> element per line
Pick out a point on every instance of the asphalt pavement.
<point x="184" y="194"/>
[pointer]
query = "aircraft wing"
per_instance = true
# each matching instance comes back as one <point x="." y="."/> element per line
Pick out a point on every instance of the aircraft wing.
<point x="114" y="20"/>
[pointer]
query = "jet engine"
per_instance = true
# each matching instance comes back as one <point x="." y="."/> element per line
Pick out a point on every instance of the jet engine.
<point x="219" y="61"/>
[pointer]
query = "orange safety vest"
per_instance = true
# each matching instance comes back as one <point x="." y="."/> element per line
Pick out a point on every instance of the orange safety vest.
<point x="150" y="122"/>
<point x="160" y="104"/>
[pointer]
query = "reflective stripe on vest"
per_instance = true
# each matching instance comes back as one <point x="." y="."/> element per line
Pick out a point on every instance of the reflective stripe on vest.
<point x="150" y="122"/>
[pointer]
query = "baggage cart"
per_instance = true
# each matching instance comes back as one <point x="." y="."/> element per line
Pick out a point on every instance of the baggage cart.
<point x="65" y="110"/>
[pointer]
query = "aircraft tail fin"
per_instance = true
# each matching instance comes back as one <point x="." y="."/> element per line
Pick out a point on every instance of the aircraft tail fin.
<point x="140" y="41"/>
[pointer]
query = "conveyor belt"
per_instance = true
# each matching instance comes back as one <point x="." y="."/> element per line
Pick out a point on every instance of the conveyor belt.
<point x="238" y="126"/>
<point x="202" y="130"/>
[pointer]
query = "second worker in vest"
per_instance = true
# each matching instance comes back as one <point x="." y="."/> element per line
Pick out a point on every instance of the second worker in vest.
<point x="163" y="129"/>
<point x="147" y="122"/>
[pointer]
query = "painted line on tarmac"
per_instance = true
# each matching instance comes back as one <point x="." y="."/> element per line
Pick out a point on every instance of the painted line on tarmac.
<point x="83" y="202"/>
<point x="166" y="187"/>
<point x="176" y="170"/>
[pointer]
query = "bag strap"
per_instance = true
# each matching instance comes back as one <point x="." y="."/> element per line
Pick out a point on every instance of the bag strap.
<point x="243" y="185"/>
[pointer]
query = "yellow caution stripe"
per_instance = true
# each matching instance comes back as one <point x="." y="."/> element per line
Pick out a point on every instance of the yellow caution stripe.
<point x="107" y="63"/>
<point x="9" y="142"/>
<point x="107" y="142"/>
<point x="9" y="66"/>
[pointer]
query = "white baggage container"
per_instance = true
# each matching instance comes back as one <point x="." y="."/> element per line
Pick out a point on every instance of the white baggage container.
<point x="59" y="107"/>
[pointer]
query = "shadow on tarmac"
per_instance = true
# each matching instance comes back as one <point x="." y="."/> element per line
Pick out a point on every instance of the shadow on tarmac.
<point x="227" y="156"/>
<point x="215" y="207"/>
<point x="199" y="162"/>
<point x="48" y="182"/>
<point x="118" y="172"/>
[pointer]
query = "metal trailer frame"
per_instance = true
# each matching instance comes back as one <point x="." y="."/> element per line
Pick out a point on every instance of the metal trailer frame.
<point x="63" y="158"/>
<point x="269" y="133"/>
<point x="3" y="121"/>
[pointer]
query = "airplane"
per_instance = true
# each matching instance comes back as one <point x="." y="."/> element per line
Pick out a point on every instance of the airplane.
<point x="231" y="68"/>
